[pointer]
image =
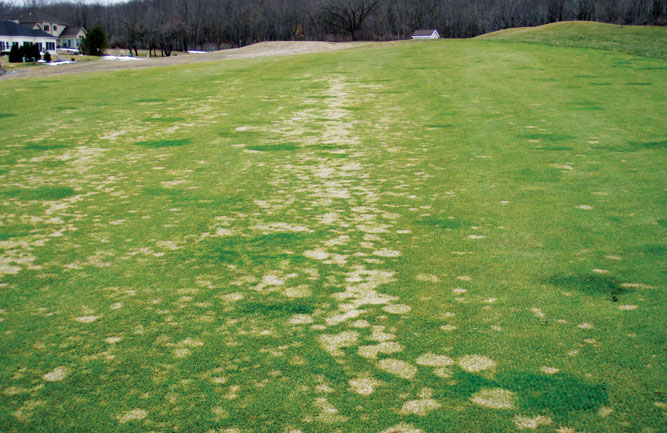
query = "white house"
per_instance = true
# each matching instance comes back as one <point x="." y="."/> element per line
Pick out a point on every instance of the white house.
<point x="37" y="20"/>
<point x="426" y="34"/>
<point x="67" y="37"/>
<point x="16" y="34"/>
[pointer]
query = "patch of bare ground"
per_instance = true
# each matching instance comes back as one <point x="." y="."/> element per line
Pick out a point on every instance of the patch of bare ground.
<point x="262" y="49"/>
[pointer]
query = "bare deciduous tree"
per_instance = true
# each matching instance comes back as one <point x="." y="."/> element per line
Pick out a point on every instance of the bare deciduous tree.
<point x="348" y="16"/>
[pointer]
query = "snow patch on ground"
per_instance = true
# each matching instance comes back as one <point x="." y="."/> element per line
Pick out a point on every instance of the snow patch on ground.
<point x="122" y="58"/>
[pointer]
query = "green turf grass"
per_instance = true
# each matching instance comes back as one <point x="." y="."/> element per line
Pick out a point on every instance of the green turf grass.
<point x="447" y="236"/>
<point x="647" y="41"/>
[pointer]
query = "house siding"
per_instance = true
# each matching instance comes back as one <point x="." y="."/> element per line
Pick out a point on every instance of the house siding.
<point x="8" y="41"/>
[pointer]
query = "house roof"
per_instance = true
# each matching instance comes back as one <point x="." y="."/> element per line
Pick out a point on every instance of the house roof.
<point x="10" y="28"/>
<point x="423" y="32"/>
<point x="71" y="31"/>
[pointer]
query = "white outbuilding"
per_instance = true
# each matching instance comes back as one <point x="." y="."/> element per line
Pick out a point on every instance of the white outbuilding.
<point x="426" y="34"/>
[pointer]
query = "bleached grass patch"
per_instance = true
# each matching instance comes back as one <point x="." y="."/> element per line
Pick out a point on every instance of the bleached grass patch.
<point x="281" y="227"/>
<point x="433" y="360"/>
<point x="9" y="269"/>
<point x="537" y="312"/>
<point x="301" y="291"/>
<point x="333" y="343"/>
<point x="605" y="411"/>
<point x="133" y="415"/>
<point x="475" y="363"/>
<point x="397" y="308"/>
<point x="494" y="398"/>
<point x="316" y="254"/>
<point x="398" y="368"/>
<point x="420" y="407"/>
<point x="300" y="319"/>
<point x="339" y="318"/>
<point x="270" y="280"/>
<point x="222" y="232"/>
<point x="428" y="278"/>
<point x="364" y="384"/>
<point x="403" y="428"/>
<point x="385" y="252"/>
<point x="56" y="375"/>
<point x="523" y="422"/>
<point x="387" y="347"/>
<point x="232" y="297"/>
<point x="328" y="412"/>
<point x="361" y="324"/>
<point x="443" y="372"/>
<point x="87" y="319"/>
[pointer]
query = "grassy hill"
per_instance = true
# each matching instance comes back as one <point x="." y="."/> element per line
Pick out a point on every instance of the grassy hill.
<point x="647" y="41"/>
<point x="443" y="236"/>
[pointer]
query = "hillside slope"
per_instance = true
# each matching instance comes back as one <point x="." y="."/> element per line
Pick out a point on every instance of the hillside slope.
<point x="646" y="41"/>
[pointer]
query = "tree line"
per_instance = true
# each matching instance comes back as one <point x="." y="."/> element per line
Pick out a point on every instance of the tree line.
<point x="168" y="25"/>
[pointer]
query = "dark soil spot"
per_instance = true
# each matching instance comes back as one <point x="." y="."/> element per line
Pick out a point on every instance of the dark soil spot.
<point x="588" y="283"/>
<point x="36" y="146"/>
<point x="276" y="308"/>
<point x="559" y="394"/>
<point x="164" y="119"/>
<point x="445" y="223"/>
<point x="555" y="148"/>
<point x="164" y="143"/>
<point x="658" y="144"/>
<point x="549" y="137"/>
<point x="43" y="193"/>
<point x="273" y="147"/>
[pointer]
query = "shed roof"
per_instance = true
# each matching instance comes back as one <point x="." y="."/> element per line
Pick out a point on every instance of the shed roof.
<point x="10" y="28"/>
<point x="422" y="32"/>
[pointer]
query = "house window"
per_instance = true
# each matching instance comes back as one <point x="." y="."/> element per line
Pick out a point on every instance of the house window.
<point x="2" y="45"/>
<point x="39" y="45"/>
<point x="46" y="27"/>
<point x="55" y="27"/>
<point x="50" y="46"/>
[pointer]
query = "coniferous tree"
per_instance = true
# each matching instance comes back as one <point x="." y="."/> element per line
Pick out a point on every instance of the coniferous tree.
<point x="31" y="52"/>
<point x="16" y="54"/>
<point x="95" y="42"/>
